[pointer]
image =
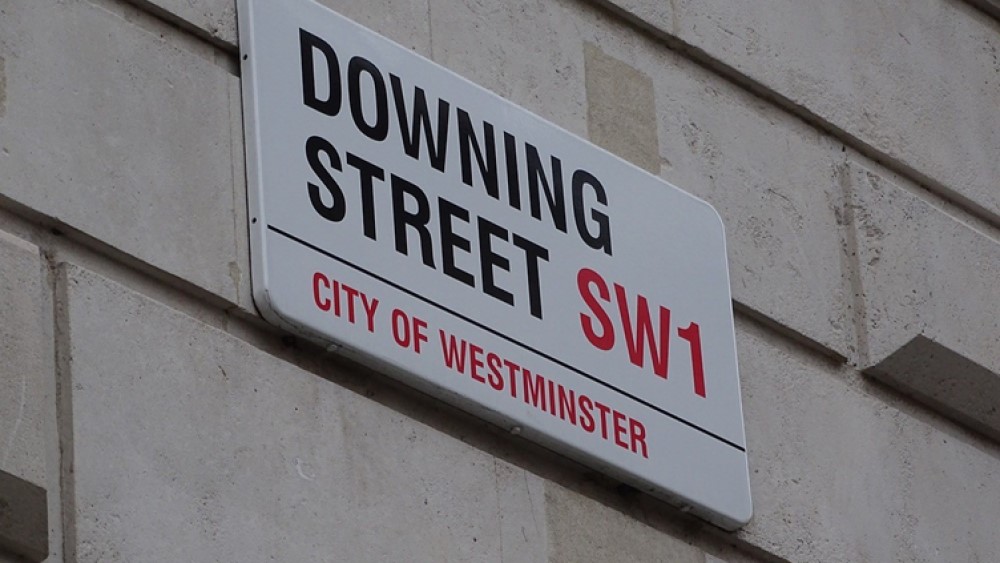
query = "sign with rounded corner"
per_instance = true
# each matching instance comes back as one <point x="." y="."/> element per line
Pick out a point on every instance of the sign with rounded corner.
<point x="409" y="219"/>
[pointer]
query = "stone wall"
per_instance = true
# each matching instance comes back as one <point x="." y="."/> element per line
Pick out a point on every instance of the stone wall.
<point x="852" y="148"/>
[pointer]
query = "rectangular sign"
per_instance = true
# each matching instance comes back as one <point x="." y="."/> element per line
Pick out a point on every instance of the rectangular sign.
<point x="430" y="228"/>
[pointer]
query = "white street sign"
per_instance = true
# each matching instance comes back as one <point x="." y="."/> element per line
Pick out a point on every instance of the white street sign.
<point x="426" y="226"/>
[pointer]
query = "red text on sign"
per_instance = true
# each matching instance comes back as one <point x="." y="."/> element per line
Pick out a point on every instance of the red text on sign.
<point x="643" y="337"/>
<point x="578" y="409"/>
<point x="343" y="301"/>
<point x="408" y="332"/>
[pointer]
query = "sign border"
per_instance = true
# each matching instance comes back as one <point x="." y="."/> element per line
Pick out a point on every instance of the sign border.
<point x="260" y="285"/>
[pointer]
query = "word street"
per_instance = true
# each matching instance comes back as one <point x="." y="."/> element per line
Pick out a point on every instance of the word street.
<point x="426" y="139"/>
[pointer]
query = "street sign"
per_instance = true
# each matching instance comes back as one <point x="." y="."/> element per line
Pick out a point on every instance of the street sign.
<point x="408" y="218"/>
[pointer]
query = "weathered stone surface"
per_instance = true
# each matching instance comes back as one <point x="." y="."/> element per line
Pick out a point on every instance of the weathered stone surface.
<point x="929" y="300"/>
<point x="190" y="445"/>
<point x="945" y="380"/>
<point x="214" y="19"/>
<point x="582" y="530"/>
<point x="403" y="21"/>
<point x="840" y="475"/>
<point x="522" y="514"/>
<point x="24" y="529"/>
<point x="916" y="81"/>
<point x="133" y="147"/>
<point x="772" y="178"/>
<point x="406" y="22"/>
<point x="528" y="52"/>
<point x="24" y="364"/>
<point x="3" y="88"/>
<point x="621" y="109"/>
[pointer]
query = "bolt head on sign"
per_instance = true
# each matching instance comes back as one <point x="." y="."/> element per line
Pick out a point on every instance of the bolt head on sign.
<point x="418" y="223"/>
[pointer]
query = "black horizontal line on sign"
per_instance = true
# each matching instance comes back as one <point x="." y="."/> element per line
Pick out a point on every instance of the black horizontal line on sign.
<point x="498" y="334"/>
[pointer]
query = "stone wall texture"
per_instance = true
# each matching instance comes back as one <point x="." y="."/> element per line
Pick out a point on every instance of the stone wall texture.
<point x="852" y="148"/>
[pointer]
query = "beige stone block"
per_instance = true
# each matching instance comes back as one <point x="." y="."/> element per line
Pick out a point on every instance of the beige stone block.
<point x="403" y="21"/>
<point x="929" y="300"/>
<point x="24" y="362"/>
<point x="522" y="514"/>
<point x="839" y="475"/>
<point x="120" y="127"/>
<point x="191" y="445"/>
<point x="406" y="22"/>
<point x="213" y="19"/>
<point x="3" y="88"/>
<point x="917" y="82"/>
<point x="582" y="530"/>
<point x="945" y="380"/>
<point x="621" y="109"/>
<point x="530" y="53"/>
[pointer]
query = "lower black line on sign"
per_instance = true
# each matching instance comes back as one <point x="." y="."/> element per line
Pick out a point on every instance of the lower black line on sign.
<point x="498" y="334"/>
